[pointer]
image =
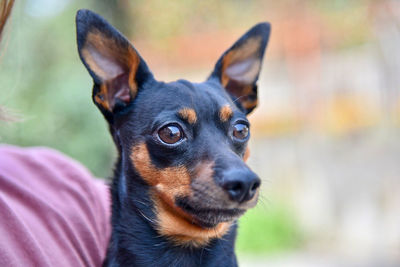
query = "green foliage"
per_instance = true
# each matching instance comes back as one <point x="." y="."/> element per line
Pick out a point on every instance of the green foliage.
<point x="267" y="230"/>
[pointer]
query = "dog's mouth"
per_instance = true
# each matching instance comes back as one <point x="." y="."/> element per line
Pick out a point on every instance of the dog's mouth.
<point x="208" y="217"/>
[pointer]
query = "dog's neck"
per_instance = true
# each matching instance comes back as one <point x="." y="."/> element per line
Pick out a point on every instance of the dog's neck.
<point x="135" y="240"/>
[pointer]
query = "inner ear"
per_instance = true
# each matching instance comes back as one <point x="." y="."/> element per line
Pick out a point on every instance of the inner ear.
<point x="114" y="64"/>
<point x="244" y="71"/>
<point x="108" y="57"/>
<point x="242" y="64"/>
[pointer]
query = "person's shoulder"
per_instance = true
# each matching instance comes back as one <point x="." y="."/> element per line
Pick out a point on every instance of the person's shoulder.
<point x="34" y="153"/>
<point x="17" y="152"/>
<point x="38" y="158"/>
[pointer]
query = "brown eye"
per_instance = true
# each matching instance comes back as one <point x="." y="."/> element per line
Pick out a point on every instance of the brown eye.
<point x="170" y="134"/>
<point x="240" y="131"/>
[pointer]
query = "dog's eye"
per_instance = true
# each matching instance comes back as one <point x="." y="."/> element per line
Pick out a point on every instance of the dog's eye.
<point x="240" y="131"/>
<point x="170" y="134"/>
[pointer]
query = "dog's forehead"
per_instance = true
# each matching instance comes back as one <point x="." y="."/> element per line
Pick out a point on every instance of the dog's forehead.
<point x="199" y="96"/>
<point x="203" y="97"/>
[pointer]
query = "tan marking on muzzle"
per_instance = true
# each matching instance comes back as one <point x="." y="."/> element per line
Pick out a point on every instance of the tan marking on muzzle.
<point x="181" y="231"/>
<point x="167" y="184"/>
<point x="246" y="154"/>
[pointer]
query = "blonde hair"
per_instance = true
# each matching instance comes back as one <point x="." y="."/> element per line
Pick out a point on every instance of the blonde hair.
<point x="5" y="11"/>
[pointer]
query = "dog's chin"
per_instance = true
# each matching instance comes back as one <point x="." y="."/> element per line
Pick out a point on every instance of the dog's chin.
<point x="209" y="217"/>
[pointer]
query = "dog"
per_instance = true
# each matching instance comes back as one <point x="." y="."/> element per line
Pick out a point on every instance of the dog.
<point x="180" y="181"/>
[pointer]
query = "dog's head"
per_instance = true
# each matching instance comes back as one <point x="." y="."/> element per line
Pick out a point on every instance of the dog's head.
<point x="186" y="141"/>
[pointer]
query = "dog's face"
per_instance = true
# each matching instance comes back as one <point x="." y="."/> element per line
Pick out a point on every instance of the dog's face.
<point x="186" y="141"/>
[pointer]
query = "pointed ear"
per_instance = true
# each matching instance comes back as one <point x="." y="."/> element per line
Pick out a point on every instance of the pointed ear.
<point x="238" y="68"/>
<point x="111" y="60"/>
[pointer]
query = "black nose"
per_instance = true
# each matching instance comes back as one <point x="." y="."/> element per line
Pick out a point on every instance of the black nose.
<point x="241" y="185"/>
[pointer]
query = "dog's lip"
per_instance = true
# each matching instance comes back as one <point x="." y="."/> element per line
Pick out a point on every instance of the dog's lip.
<point x="211" y="217"/>
<point x="227" y="212"/>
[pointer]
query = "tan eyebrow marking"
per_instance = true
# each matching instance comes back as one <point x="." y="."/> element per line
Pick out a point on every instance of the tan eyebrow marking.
<point x="188" y="114"/>
<point x="225" y="113"/>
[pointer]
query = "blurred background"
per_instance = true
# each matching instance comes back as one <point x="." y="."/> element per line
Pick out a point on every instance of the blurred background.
<point x="325" y="137"/>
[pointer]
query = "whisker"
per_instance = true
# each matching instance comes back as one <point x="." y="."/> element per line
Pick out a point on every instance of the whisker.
<point x="238" y="98"/>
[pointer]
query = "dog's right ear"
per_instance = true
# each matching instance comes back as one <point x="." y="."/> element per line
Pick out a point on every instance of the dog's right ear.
<point x="114" y="64"/>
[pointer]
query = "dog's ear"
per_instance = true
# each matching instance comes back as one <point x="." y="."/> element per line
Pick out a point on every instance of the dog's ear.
<point x="238" y="68"/>
<point x="115" y="66"/>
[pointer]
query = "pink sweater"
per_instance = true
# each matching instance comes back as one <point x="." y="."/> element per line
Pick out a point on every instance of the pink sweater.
<point x="53" y="212"/>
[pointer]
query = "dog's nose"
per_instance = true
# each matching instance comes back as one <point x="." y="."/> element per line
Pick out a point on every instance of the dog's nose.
<point x="241" y="185"/>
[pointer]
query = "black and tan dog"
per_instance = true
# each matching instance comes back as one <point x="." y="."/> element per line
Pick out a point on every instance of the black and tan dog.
<point x="180" y="181"/>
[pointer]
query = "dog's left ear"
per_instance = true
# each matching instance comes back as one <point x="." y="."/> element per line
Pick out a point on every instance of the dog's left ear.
<point x="238" y="68"/>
